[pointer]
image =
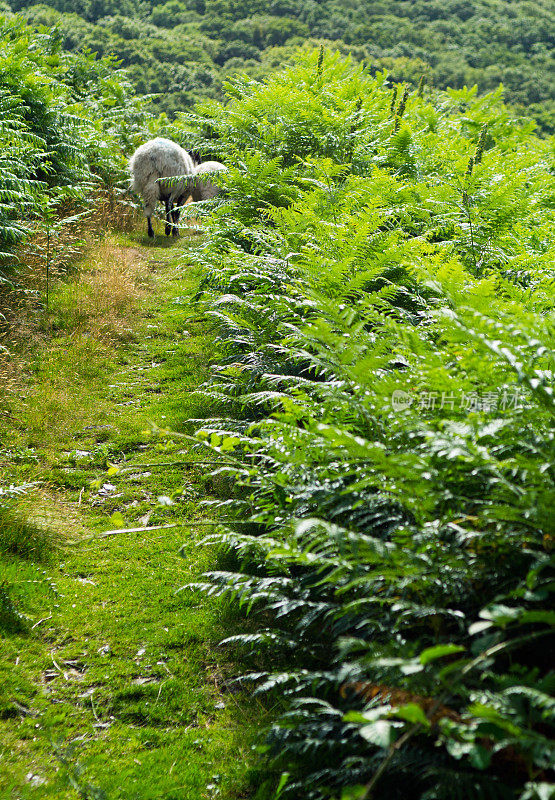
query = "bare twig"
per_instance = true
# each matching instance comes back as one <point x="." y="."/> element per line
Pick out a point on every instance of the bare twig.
<point x="137" y="530"/>
<point x="93" y="708"/>
<point x="39" y="622"/>
<point x="55" y="663"/>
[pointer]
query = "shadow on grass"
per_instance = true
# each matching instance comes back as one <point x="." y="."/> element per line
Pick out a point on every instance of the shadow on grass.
<point x="21" y="538"/>
<point x="11" y="619"/>
<point x="158" y="242"/>
<point x="163" y="242"/>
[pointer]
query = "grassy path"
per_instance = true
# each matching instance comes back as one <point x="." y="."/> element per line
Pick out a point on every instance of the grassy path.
<point x="113" y="686"/>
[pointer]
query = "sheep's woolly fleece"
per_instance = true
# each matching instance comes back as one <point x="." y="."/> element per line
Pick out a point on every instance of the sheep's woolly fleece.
<point x="159" y="158"/>
<point x="205" y="189"/>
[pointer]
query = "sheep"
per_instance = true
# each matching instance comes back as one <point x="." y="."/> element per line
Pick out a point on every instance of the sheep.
<point x="161" y="158"/>
<point x="204" y="188"/>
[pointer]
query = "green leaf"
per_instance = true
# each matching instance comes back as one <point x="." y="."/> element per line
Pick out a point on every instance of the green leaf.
<point x="353" y="792"/>
<point x="411" y="712"/>
<point x="117" y="520"/>
<point x="458" y="749"/>
<point x="479" y="627"/>
<point x="480" y="757"/>
<point x="438" y="651"/>
<point x="501" y="615"/>
<point x="229" y="443"/>
<point x="538" y="791"/>
<point x="493" y="716"/>
<point x="455" y="666"/>
<point x="380" y="733"/>
<point x="283" y="781"/>
<point x="547" y="617"/>
<point x="355" y="716"/>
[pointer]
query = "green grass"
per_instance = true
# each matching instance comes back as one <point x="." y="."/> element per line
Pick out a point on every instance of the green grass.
<point x="111" y="683"/>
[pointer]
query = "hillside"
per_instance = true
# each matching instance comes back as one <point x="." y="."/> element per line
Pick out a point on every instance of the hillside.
<point x="184" y="50"/>
<point x="322" y="429"/>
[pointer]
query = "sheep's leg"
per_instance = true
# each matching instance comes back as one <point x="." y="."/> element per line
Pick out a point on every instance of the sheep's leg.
<point x="175" y="218"/>
<point x="149" y="206"/>
<point x="169" y="215"/>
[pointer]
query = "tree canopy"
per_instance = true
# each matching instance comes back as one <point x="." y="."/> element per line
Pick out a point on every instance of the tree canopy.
<point x="183" y="50"/>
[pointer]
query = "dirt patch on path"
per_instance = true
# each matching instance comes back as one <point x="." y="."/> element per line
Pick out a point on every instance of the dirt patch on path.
<point x="103" y="301"/>
<point x="100" y="303"/>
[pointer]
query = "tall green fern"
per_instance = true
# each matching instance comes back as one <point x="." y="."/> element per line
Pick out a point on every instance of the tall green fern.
<point x="384" y="403"/>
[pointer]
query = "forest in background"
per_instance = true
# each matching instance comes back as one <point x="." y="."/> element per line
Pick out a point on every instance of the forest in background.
<point x="184" y="50"/>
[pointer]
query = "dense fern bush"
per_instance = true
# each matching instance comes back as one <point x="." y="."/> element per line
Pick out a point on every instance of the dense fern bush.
<point x="380" y="278"/>
<point x="66" y="122"/>
<point x="19" y="158"/>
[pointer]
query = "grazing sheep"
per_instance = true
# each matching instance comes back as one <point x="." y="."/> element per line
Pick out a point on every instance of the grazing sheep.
<point x="161" y="158"/>
<point x="204" y="188"/>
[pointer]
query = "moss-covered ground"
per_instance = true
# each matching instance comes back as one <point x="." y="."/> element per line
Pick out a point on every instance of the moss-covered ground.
<point x="112" y="684"/>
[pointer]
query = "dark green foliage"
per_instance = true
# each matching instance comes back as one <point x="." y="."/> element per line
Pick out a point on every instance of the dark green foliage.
<point x="385" y="407"/>
<point x="19" y="160"/>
